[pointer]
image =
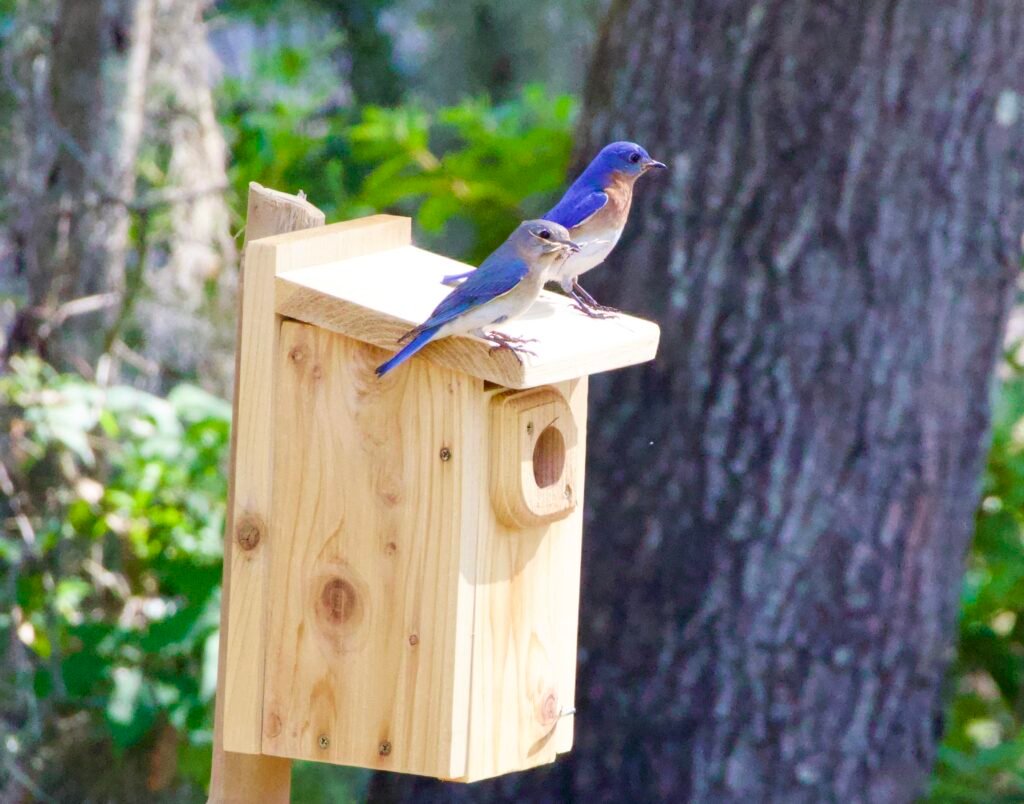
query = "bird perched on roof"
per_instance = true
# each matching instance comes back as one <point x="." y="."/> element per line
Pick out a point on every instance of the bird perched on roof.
<point x="503" y="287"/>
<point x="594" y="210"/>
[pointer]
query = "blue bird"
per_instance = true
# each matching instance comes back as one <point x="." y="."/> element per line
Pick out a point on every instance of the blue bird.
<point x="503" y="287"/>
<point x="594" y="210"/>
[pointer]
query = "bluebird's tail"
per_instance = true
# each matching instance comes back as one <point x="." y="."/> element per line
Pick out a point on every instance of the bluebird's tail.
<point x="412" y="347"/>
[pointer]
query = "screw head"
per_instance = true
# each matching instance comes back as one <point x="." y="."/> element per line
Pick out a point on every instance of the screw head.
<point x="529" y="428"/>
<point x="568" y="492"/>
<point x="446" y="454"/>
<point x="324" y="741"/>
<point x="385" y="748"/>
<point x="414" y="640"/>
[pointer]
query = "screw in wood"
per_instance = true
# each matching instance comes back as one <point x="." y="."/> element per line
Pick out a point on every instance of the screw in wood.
<point x="414" y="640"/>
<point x="384" y="749"/>
<point x="568" y="492"/>
<point x="529" y="428"/>
<point x="446" y="454"/>
<point x="324" y="741"/>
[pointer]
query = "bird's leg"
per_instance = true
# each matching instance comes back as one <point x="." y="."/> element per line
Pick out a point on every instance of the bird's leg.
<point x="585" y="303"/>
<point x="580" y="294"/>
<point x="499" y="341"/>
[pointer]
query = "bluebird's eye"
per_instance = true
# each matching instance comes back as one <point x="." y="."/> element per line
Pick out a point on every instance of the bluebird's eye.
<point x="634" y="157"/>
<point x="544" y="234"/>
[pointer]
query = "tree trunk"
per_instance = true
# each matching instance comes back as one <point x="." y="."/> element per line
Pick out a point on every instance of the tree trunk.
<point x="190" y="282"/>
<point x="779" y="507"/>
<point x="80" y="86"/>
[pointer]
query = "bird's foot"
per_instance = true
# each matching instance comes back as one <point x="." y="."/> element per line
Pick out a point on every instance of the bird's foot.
<point x="502" y="342"/>
<point x="501" y="337"/>
<point x="517" y="351"/>
<point x="597" y="311"/>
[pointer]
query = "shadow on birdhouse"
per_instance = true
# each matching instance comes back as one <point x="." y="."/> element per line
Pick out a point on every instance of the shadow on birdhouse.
<point x="405" y="572"/>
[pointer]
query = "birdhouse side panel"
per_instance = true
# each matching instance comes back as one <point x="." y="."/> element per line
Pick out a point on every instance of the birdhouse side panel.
<point x="526" y="617"/>
<point x="368" y="655"/>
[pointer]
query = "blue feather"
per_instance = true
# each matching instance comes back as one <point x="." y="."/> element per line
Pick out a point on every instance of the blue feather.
<point x="407" y="351"/>
<point x="579" y="203"/>
<point x="496" y="276"/>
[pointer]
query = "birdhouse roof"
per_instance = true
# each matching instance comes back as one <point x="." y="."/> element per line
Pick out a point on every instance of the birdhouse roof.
<point x="364" y="279"/>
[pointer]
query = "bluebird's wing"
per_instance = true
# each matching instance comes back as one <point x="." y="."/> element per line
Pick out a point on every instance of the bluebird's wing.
<point x="496" y="277"/>
<point x="577" y="206"/>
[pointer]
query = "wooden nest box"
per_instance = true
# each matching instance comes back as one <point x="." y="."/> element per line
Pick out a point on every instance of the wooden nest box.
<point x="404" y="576"/>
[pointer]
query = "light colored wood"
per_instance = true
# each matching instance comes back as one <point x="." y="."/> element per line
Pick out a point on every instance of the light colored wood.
<point x="384" y="611"/>
<point x="247" y="777"/>
<point x="376" y="500"/>
<point x="254" y="472"/>
<point x="533" y="477"/>
<point x="525" y="630"/>
<point x="376" y="298"/>
<point x="271" y="212"/>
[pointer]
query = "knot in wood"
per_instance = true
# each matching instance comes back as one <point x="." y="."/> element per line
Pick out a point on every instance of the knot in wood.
<point x="549" y="709"/>
<point x="249" y="532"/>
<point x="339" y="600"/>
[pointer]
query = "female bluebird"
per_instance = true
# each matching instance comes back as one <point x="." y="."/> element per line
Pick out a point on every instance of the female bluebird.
<point x="503" y="287"/>
<point x="594" y="210"/>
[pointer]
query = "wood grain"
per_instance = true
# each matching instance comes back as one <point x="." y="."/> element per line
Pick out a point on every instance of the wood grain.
<point x="369" y="647"/>
<point x="378" y="297"/>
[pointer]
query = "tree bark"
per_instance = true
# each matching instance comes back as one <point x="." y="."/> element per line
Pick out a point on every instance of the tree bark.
<point x="190" y="283"/>
<point x="80" y="86"/>
<point x="779" y="507"/>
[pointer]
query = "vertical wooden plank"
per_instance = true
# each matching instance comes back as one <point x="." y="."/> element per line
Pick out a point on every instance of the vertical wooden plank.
<point x="525" y="630"/>
<point x="246" y="777"/>
<point x="252" y="487"/>
<point x="368" y="642"/>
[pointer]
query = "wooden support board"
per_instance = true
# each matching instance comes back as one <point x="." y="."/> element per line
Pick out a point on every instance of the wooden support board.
<point x="238" y="777"/>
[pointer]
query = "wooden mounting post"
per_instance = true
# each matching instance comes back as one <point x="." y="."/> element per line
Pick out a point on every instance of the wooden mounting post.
<point x="250" y="777"/>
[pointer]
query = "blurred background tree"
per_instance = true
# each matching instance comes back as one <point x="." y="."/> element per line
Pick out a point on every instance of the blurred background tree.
<point x="128" y="134"/>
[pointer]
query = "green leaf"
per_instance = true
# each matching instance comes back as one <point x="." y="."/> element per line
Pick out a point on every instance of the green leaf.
<point x="130" y="710"/>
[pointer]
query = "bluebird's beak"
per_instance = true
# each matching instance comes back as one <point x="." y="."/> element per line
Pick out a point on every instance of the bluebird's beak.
<point x="573" y="247"/>
<point x="654" y="163"/>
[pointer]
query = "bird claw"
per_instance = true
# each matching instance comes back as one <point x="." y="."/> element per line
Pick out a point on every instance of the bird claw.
<point x="517" y="351"/>
<point x="598" y="311"/>
<point x="500" y="341"/>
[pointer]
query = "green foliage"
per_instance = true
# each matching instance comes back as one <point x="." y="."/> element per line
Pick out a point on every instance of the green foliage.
<point x="466" y="173"/>
<point x="982" y="755"/>
<point x="112" y="545"/>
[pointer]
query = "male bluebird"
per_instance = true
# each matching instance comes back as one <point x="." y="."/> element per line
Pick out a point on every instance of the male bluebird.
<point x="594" y="210"/>
<point x="503" y="287"/>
